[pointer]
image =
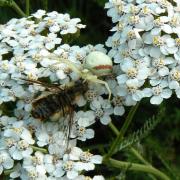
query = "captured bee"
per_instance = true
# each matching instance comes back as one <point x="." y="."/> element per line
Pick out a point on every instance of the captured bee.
<point x="58" y="100"/>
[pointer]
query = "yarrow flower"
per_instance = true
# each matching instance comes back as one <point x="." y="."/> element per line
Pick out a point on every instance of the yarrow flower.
<point x="6" y="162"/>
<point x="145" y="49"/>
<point x="35" y="149"/>
<point x="145" y="44"/>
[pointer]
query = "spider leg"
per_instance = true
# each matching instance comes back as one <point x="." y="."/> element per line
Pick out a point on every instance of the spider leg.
<point x="70" y="64"/>
<point x="105" y="84"/>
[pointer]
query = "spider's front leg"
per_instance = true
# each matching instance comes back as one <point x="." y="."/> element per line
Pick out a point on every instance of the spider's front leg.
<point x="86" y="75"/>
<point x="106" y="85"/>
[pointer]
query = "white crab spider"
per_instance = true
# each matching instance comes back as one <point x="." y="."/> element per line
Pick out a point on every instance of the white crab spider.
<point x="85" y="71"/>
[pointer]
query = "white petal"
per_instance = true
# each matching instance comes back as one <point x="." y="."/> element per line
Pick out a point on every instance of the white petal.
<point x="166" y="93"/>
<point x="172" y="50"/>
<point x="8" y="163"/>
<point x="58" y="172"/>
<point x="98" y="178"/>
<point x="163" y="71"/>
<point x="79" y="166"/>
<point x="155" y="31"/>
<point x="75" y="153"/>
<point x="27" y="152"/>
<point x="122" y="91"/>
<point x="49" y="168"/>
<point x="170" y="42"/>
<point x="143" y="73"/>
<point x="88" y="166"/>
<point x="132" y="44"/>
<point x="105" y="120"/>
<point x="164" y="50"/>
<point x="129" y="101"/>
<point x="147" y="38"/>
<point x="155" y="52"/>
<point x="41" y="169"/>
<point x="122" y="78"/>
<point x="167" y="28"/>
<point x="156" y="100"/>
<point x="173" y="85"/>
<point x="72" y="174"/>
<point x="137" y="96"/>
<point x="96" y="159"/>
<point x="60" y="74"/>
<point x="17" y="155"/>
<point x="119" y="110"/>
<point x="89" y="133"/>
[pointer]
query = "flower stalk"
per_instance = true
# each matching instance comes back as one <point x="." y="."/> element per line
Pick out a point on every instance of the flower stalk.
<point x="13" y="5"/>
<point x="27" y="7"/>
<point x="137" y="167"/>
<point x="134" y="166"/>
<point x="122" y="131"/>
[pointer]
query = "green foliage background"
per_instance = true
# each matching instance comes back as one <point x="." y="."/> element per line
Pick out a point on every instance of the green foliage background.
<point x="162" y="146"/>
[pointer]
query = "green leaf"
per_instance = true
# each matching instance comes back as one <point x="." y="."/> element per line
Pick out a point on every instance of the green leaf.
<point x="142" y="132"/>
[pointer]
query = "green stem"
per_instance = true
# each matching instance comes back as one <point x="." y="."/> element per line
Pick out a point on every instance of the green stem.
<point x="27" y="7"/>
<point x="17" y="8"/>
<point x="133" y="151"/>
<point x="138" y="156"/>
<point x="136" y="167"/>
<point x="45" y="151"/>
<point x="3" y="2"/>
<point x="166" y="165"/>
<point x="122" y="131"/>
<point x="136" y="153"/>
<point x="113" y="128"/>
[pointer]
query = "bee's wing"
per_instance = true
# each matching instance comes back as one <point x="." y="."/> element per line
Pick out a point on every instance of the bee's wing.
<point x="70" y="123"/>
<point x="66" y="127"/>
<point x="67" y="124"/>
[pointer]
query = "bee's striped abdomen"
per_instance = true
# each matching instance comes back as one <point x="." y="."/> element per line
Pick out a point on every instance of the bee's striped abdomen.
<point x="46" y="106"/>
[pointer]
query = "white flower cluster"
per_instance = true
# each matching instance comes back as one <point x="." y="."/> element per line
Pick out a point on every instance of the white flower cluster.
<point x="29" y="148"/>
<point x="145" y="45"/>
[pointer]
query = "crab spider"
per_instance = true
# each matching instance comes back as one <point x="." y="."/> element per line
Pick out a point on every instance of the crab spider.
<point x="83" y="73"/>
